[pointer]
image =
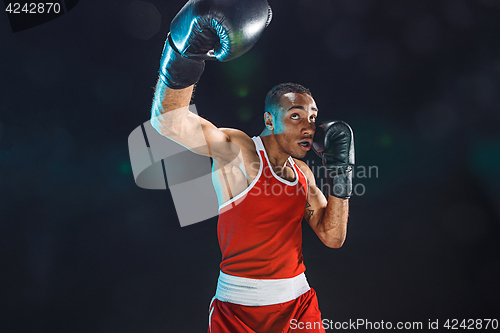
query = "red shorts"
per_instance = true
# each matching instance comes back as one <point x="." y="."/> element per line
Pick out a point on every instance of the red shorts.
<point x="299" y="315"/>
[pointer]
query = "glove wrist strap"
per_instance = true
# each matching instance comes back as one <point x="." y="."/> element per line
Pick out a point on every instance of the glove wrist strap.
<point x="339" y="182"/>
<point x="176" y="71"/>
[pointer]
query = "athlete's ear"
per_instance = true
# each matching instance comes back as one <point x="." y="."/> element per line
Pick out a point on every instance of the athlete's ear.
<point x="268" y="120"/>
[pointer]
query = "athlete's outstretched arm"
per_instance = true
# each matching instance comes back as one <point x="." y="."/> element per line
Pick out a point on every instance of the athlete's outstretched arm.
<point x="179" y="71"/>
<point x="201" y="30"/>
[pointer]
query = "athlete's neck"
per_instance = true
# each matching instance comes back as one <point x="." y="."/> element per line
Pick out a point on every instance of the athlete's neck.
<point x="276" y="156"/>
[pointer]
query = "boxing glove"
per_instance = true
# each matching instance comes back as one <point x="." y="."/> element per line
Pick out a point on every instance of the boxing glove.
<point x="210" y="30"/>
<point x="334" y="143"/>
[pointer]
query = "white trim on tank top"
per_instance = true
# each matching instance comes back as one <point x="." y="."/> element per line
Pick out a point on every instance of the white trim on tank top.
<point x="245" y="191"/>
<point x="260" y="146"/>
<point x="290" y="160"/>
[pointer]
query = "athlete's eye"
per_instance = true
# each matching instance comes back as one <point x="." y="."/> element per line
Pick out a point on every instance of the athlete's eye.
<point x="313" y="118"/>
<point x="295" y="116"/>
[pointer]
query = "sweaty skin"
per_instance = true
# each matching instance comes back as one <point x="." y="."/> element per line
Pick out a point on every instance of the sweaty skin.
<point x="236" y="163"/>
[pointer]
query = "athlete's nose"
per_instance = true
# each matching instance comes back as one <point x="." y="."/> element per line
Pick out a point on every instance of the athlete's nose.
<point x="310" y="128"/>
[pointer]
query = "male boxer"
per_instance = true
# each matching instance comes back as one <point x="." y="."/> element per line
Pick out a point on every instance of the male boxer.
<point x="264" y="191"/>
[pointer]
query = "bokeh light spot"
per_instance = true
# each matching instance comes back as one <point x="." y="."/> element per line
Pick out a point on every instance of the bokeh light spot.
<point x="385" y="140"/>
<point x="241" y="68"/>
<point x="242" y="91"/>
<point x="486" y="158"/>
<point x="142" y="20"/>
<point x="125" y="168"/>
<point x="245" y="113"/>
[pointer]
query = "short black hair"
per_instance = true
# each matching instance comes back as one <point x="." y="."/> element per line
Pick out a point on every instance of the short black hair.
<point x="274" y="95"/>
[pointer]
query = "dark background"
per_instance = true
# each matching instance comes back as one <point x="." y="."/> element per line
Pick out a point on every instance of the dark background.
<point x="83" y="249"/>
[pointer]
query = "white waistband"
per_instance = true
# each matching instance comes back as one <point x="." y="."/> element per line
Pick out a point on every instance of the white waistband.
<point x="259" y="292"/>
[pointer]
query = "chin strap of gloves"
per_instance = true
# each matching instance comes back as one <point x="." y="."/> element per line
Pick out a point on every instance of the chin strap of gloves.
<point x="334" y="143"/>
<point x="210" y="30"/>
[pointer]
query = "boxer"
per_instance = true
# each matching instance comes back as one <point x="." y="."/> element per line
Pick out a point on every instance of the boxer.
<point x="263" y="188"/>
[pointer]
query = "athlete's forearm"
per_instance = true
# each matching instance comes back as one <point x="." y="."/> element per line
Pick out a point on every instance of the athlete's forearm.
<point x="170" y="109"/>
<point x="167" y="99"/>
<point x="333" y="224"/>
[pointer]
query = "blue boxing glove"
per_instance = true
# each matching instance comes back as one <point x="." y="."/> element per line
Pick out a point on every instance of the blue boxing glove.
<point x="334" y="143"/>
<point x="210" y="30"/>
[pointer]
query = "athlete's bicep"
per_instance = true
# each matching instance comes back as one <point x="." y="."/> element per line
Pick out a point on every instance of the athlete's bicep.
<point x="315" y="206"/>
<point x="316" y="201"/>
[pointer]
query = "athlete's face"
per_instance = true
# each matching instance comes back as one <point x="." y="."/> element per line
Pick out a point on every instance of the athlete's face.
<point x="296" y="124"/>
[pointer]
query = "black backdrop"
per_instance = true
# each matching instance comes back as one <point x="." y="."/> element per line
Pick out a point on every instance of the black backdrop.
<point x="83" y="249"/>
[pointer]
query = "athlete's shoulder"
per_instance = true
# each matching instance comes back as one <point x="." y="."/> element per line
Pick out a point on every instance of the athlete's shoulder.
<point x="305" y="170"/>
<point x="234" y="133"/>
<point x="238" y="137"/>
<point x="302" y="165"/>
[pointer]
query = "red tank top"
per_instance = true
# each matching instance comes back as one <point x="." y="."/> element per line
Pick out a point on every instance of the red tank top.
<point x="260" y="230"/>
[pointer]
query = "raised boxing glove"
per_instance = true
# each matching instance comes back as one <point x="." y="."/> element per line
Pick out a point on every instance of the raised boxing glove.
<point x="210" y="30"/>
<point x="334" y="143"/>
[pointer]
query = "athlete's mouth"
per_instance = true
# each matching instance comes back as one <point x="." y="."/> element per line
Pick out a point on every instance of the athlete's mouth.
<point x="305" y="144"/>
